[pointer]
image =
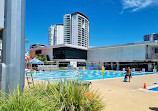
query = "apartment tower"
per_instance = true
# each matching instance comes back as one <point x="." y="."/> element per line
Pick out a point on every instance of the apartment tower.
<point x="76" y="29"/>
<point x="56" y="35"/>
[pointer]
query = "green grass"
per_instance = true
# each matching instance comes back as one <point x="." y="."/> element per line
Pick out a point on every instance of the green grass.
<point x="59" y="96"/>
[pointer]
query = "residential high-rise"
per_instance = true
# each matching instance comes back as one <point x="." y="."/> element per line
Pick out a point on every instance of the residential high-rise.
<point x="67" y="29"/>
<point x="151" y="37"/>
<point x="76" y="29"/>
<point x="56" y="34"/>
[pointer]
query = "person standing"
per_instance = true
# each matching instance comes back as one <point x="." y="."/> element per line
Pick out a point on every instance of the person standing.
<point x="128" y="74"/>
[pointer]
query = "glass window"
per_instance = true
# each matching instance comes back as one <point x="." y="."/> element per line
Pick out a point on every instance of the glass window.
<point x="69" y="53"/>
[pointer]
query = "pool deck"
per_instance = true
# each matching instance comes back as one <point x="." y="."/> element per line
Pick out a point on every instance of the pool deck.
<point x="127" y="96"/>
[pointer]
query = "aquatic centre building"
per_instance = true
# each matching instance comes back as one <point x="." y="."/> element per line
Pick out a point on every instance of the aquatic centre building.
<point x="114" y="57"/>
<point x="63" y="54"/>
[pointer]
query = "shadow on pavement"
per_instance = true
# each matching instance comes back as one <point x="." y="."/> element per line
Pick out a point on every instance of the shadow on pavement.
<point x="153" y="108"/>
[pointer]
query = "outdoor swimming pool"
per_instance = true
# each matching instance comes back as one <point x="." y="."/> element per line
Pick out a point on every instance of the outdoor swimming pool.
<point x="80" y="74"/>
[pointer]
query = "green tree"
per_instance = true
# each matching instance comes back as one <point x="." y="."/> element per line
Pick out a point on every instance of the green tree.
<point x="42" y="57"/>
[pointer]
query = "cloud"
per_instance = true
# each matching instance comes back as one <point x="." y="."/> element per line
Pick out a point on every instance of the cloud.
<point x="135" y="5"/>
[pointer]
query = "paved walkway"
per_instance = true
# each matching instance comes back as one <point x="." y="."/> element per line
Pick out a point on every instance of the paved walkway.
<point x="124" y="96"/>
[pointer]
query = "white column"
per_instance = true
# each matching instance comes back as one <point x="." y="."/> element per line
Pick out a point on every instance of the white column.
<point x="118" y="66"/>
<point x="13" y="53"/>
<point x="112" y="67"/>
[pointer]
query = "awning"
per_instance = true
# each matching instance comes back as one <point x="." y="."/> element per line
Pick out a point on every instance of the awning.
<point x="36" y="61"/>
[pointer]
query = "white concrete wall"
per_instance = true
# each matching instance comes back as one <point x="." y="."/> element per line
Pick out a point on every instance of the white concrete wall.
<point x="117" y="54"/>
<point x="48" y="52"/>
<point x="151" y="52"/>
<point x="1" y="14"/>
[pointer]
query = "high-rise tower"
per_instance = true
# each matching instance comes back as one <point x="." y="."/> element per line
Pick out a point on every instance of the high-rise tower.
<point x="56" y="34"/>
<point x="76" y="29"/>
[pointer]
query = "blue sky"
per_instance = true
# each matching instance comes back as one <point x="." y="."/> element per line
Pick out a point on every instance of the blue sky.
<point x="111" y="21"/>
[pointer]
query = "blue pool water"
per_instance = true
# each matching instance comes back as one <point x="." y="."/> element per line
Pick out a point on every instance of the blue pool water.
<point x="154" y="89"/>
<point x="86" y="75"/>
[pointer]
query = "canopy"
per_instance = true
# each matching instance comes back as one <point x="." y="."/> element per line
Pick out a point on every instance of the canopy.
<point x="36" y="61"/>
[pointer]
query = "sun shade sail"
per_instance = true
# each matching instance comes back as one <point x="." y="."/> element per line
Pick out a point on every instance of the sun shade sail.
<point x="36" y="61"/>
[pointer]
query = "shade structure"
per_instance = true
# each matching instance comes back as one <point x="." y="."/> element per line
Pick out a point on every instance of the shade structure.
<point x="35" y="61"/>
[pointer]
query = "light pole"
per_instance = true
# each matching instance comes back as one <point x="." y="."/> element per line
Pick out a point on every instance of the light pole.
<point x="13" y="48"/>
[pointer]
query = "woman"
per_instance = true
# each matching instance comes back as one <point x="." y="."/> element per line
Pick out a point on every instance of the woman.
<point x="128" y="74"/>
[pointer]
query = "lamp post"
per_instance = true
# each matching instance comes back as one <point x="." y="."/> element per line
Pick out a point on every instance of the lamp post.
<point x="13" y="48"/>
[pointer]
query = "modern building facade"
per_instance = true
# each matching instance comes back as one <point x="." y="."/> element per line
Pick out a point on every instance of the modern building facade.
<point x="76" y="29"/>
<point x="151" y="37"/>
<point x="136" y="55"/>
<point x="63" y="54"/>
<point x="114" y="57"/>
<point x="56" y="34"/>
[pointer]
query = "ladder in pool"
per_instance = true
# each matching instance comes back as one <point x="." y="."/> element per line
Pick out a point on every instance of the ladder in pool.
<point x="29" y="78"/>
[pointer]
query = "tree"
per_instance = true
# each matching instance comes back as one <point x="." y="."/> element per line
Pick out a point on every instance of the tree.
<point x="42" y="57"/>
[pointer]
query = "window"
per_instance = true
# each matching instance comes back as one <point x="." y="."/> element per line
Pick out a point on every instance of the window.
<point x="38" y="52"/>
<point x="69" y="53"/>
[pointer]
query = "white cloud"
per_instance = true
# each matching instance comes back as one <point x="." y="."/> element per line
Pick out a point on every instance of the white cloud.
<point x="135" y="5"/>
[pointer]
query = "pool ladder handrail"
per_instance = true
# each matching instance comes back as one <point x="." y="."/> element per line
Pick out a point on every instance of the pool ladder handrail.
<point x="27" y="77"/>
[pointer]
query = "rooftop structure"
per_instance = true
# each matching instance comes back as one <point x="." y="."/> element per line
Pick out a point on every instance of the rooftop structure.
<point x="151" y="37"/>
<point x="36" y="46"/>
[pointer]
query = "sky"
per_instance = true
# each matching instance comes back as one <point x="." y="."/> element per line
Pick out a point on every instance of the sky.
<point x="110" y="21"/>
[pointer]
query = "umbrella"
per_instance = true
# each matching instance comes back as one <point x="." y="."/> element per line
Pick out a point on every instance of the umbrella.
<point x="35" y="61"/>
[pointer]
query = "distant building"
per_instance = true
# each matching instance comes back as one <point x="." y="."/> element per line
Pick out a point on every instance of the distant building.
<point x="76" y="29"/>
<point x="56" y="34"/>
<point x="34" y="46"/>
<point x="151" y="37"/>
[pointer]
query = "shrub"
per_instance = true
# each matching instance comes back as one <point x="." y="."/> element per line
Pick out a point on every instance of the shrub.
<point x="63" y="96"/>
<point x="62" y="68"/>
